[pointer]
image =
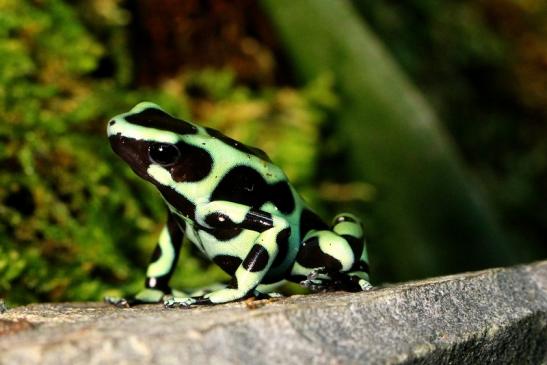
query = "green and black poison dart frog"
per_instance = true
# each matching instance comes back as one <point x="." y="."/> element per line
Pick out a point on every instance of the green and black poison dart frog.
<point x="238" y="208"/>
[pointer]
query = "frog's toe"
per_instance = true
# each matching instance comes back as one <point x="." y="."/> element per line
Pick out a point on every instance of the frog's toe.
<point x="315" y="280"/>
<point x="117" y="302"/>
<point x="125" y="302"/>
<point x="179" y="302"/>
<point x="261" y="295"/>
<point x="314" y="285"/>
<point x="365" y="285"/>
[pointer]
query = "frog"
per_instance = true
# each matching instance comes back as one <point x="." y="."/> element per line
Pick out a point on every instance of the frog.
<point x="237" y="208"/>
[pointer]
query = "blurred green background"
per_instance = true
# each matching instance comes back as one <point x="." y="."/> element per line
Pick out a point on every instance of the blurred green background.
<point x="426" y="118"/>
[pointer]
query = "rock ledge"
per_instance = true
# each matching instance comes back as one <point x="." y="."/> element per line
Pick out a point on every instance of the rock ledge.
<point x="493" y="316"/>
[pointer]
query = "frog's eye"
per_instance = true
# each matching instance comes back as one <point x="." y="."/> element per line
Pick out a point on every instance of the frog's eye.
<point x="163" y="153"/>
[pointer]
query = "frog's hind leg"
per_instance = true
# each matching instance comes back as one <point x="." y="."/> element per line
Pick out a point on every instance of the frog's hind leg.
<point x="350" y="228"/>
<point x="334" y="259"/>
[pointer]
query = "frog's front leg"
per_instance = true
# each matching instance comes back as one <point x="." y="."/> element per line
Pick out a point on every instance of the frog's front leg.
<point x="160" y="269"/>
<point x="255" y="263"/>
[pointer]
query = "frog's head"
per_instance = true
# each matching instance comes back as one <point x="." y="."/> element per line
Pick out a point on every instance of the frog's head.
<point x="147" y="136"/>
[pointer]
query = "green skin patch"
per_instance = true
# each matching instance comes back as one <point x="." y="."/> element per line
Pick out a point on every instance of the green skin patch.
<point x="238" y="208"/>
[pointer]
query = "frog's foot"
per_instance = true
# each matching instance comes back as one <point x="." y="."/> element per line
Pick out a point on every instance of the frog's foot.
<point x="216" y="297"/>
<point x="258" y="295"/>
<point x="353" y="282"/>
<point x="198" y="296"/>
<point x="177" y="302"/>
<point x="315" y="280"/>
<point x="365" y="285"/>
<point x="185" y="302"/>
<point x="117" y="302"/>
<point x="145" y="296"/>
<point x="316" y="285"/>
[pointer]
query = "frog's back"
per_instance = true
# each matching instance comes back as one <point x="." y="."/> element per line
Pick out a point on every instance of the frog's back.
<point x="243" y="174"/>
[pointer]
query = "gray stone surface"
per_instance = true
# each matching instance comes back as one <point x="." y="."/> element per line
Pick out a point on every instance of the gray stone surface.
<point x="495" y="316"/>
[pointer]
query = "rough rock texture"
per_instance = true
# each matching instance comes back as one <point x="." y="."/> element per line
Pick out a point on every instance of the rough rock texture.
<point x="494" y="316"/>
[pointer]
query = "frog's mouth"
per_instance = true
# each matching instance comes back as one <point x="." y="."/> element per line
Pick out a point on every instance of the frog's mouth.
<point x="134" y="152"/>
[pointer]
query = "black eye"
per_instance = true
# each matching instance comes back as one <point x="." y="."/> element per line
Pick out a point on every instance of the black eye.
<point x="163" y="153"/>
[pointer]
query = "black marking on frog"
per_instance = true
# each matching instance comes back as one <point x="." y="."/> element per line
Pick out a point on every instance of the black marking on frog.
<point x="156" y="254"/>
<point x="157" y="119"/>
<point x="180" y="223"/>
<point x="279" y="268"/>
<point x="258" y="221"/>
<point x="282" y="241"/>
<point x="244" y="185"/>
<point x="257" y="259"/>
<point x="227" y="263"/>
<point x="221" y="234"/>
<point x="225" y="234"/>
<point x="233" y="284"/>
<point x="159" y="283"/>
<point x="176" y="234"/>
<point x="311" y="255"/>
<point x="134" y="152"/>
<point x="282" y="197"/>
<point x="308" y="221"/>
<point x="363" y="266"/>
<point x="238" y="145"/>
<point x="356" y="245"/>
<point x="219" y="220"/>
<point x="178" y="201"/>
<point x="194" y="164"/>
<point x="224" y="229"/>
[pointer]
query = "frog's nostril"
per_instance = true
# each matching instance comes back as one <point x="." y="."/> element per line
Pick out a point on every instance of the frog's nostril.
<point x="112" y="122"/>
